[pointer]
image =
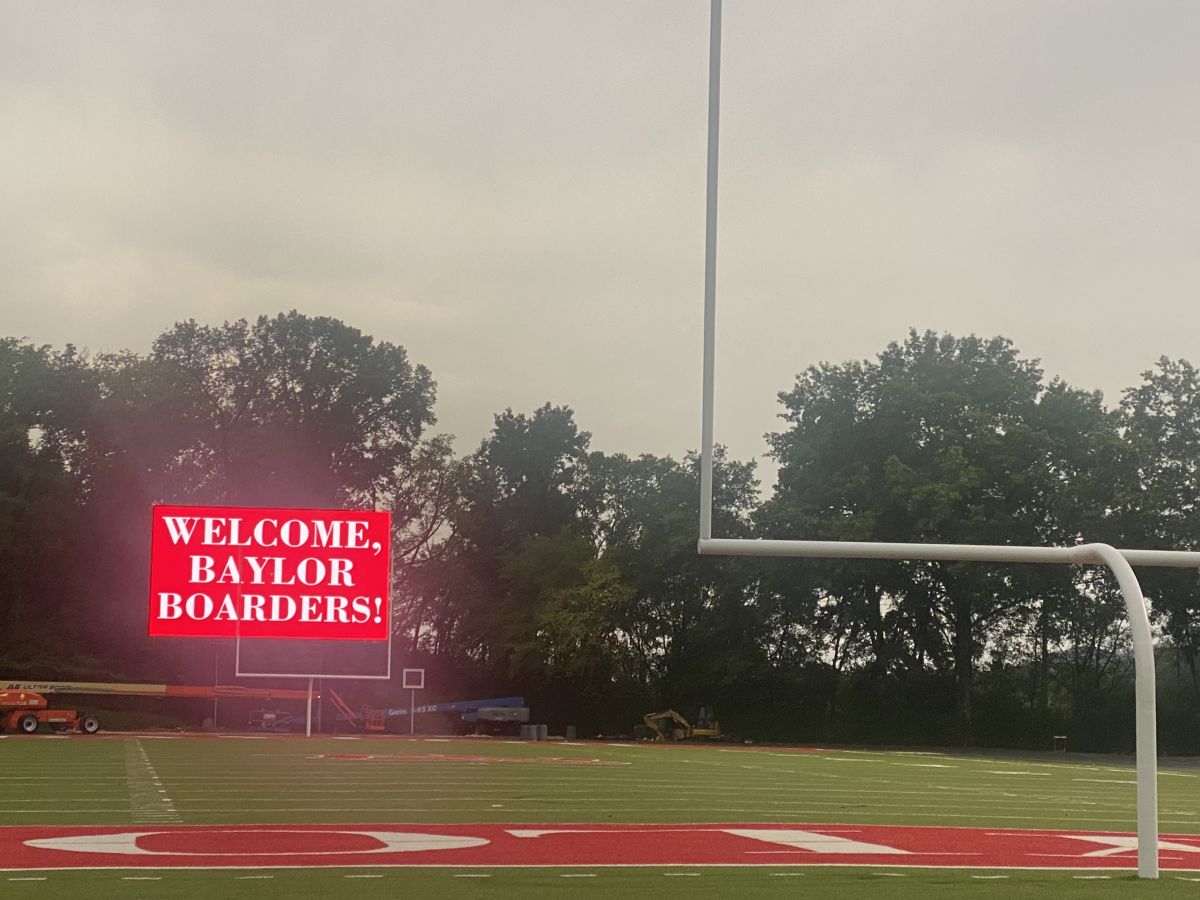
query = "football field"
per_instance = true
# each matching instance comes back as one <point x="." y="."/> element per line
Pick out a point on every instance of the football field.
<point x="160" y="815"/>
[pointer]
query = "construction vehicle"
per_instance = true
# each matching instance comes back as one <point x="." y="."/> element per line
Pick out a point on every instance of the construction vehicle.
<point x="671" y="726"/>
<point x="25" y="711"/>
<point x="275" y="720"/>
<point x="496" y="715"/>
<point x="267" y="720"/>
<point x="495" y="720"/>
<point x="372" y="720"/>
<point x="117" y="689"/>
<point x="493" y="715"/>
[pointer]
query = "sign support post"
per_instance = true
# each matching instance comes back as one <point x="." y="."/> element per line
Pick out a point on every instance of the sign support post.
<point x="308" y="710"/>
<point x="414" y="680"/>
<point x="216" y="680"/>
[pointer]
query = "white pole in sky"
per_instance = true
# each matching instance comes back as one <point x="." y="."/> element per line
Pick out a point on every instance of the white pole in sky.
<point x="710" y="269"/>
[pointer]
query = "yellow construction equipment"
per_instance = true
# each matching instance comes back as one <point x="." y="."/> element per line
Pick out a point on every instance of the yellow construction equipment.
<point x="671" y="726"/>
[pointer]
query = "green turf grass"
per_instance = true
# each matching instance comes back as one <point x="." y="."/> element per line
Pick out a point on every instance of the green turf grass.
<point x="74" y="781"/>
<point x="127" y="780"/>
<point x="629" y="884"/>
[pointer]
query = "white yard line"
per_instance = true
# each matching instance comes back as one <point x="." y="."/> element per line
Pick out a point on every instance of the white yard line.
<point x="148" y="800"/>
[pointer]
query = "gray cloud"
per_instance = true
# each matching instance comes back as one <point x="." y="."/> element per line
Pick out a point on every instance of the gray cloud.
<point x="514" y="190"/>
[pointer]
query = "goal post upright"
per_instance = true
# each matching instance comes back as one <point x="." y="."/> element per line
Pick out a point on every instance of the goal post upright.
<point x="710" y="268"/>
<point x="1119" y="562"/>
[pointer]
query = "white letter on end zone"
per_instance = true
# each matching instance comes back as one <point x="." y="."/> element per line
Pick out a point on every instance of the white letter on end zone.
<point x="812" y="840"/>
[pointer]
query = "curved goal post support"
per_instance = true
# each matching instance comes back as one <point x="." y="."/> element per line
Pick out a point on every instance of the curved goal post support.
<point x="1084" y="554"/>
<point x="1119" y="561"/>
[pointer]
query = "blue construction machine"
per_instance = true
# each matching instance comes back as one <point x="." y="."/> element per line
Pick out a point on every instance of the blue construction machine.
<point x="493" y="715"/>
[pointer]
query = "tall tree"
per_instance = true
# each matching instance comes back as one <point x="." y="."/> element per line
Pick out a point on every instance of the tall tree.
<point x="290" y="410"/>
<point x="1161" y="417"/>
<point x="942" y="440"/>
<point x="44" y="612"/>
<point x="691" y="625"/>
<point x="294" y="410"/>
<point x="516" y="530"/>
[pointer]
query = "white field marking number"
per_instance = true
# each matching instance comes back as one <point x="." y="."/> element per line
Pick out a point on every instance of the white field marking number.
<point x="813" y="841"/>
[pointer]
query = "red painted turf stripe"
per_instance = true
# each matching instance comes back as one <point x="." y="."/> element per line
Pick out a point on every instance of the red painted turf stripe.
<point x="745" y="844"/>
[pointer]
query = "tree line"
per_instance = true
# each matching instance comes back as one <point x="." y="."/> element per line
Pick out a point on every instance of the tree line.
<point x="537" y="565"/>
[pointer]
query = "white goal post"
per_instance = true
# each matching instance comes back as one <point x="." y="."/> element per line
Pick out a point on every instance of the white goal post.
<point x="1121" y="562"/>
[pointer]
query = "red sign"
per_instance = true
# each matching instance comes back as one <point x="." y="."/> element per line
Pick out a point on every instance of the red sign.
<point x="269" y="573"/>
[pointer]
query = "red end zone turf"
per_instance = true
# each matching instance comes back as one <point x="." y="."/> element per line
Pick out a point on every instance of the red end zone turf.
<point x="43" y="847"/>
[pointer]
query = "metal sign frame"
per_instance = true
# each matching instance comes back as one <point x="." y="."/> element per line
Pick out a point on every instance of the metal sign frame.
<point x="239" y="673"/>
<point x="412" y="685"/>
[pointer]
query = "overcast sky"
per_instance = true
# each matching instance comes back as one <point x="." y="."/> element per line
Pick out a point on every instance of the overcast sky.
<point x="514" y="191"/>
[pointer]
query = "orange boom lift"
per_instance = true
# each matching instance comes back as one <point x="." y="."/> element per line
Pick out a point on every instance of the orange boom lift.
<point x="23" y="707"/>
<point x="24" y="711"/>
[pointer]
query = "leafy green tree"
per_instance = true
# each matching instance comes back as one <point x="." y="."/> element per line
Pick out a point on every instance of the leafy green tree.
<point x="515" y="517"/>
<point x="291" y="410"/>
<point x="691" y="626"/>
<point x="40" y="514"/>
<point x="578" y="628"/>
<point x="1161" y="418"/>
<point x="942" y="440"/>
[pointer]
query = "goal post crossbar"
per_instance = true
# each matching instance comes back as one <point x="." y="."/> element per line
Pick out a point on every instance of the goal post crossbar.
<point x="1080" y="555"/>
